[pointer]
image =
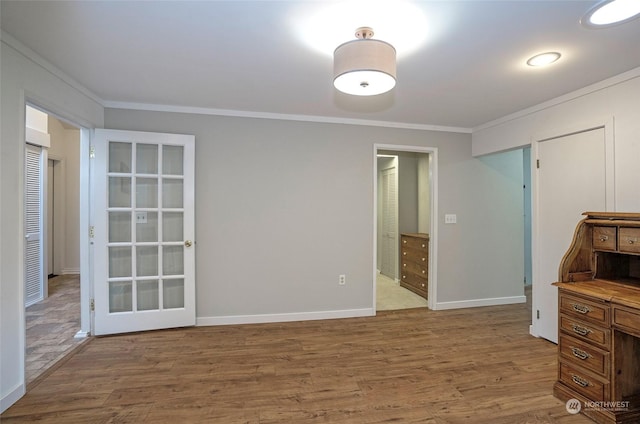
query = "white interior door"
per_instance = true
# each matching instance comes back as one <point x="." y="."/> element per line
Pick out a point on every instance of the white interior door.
<point x="571" y="179"/>
<point x="33" y="225"/>
<point x="389" y="257"/>
<point x="143" y="226"/>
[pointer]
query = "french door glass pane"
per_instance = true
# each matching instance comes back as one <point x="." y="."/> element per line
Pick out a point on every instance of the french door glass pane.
<point x="172" y="160"/>
<point x="172" y="260"/>
<point x="147" y="231"/>
<point x="119" y="192"/>
<point x="146" y="192"/>
<point x="173" y="293"/>
<point x="172" y="226"/>
<point x="145" y="222"/>
<point x="120" y="296"/>
<point x="172" y="193"/>
<point x="146" y="158"/>
<point x="119" y="261"/>
<point x="119" y="157"/>
<point x="119" y="227"/>
<point x="148" y="295"/>
<point x="146" y="260"/>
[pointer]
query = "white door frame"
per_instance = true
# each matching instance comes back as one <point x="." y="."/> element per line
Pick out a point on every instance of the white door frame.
<point x="546" y="136"/>
<point x="86" y="285"/>
<point x="432" y="300"/>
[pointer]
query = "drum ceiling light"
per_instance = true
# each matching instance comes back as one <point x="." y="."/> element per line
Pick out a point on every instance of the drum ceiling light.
<point x="364" y="67"/>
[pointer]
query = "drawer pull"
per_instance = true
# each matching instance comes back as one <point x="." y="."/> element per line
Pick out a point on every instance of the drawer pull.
<point x="424" y="272"/>
<point x="580" y="381"/>
<point x="580" y="354"/>
<point x="404" y="241"/>
<point x="583" y="331"/>
<point x="426" y="246"/>
<point x="604" y="238"/>
<point x="424" y="259"/>
<point x="404" y="253"/>
<point x="631" y="241"/>
<point x="582" y="309"/>
<point x="404" y="264"/>
<point x="422" y="284"/>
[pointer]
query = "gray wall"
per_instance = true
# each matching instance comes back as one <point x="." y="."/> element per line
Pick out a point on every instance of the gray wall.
<point x="284" y="207"/>
<point x="65" y="148"/>
<point x="21" y="80"/>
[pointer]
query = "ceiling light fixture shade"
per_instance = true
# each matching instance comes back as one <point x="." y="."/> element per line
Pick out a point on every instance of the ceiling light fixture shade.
<point x="364" y="67"/>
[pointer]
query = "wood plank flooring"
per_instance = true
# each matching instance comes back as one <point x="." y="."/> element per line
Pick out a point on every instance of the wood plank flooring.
<point x="51" y="325"/>
<point x="475" y="365"/>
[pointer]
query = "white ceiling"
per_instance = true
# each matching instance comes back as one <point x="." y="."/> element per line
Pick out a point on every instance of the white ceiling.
<point x="251" y="56"/>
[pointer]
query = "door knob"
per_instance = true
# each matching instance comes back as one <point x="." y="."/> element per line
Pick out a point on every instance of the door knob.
<point x="188" y="243"/>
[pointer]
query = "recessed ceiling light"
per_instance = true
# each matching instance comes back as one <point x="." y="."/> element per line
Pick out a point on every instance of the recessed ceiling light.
<point x="611" y="12"/>
<point x="543" y="59"/>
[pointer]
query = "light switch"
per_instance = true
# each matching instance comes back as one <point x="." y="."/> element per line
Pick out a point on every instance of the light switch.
<point x="450" y="218"/>
<point x="141" y="217"/>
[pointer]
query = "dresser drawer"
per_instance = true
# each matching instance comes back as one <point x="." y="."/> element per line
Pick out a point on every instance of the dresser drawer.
<point x="414" y="268"/>
<point x="414" y="242"/>
<point x="586" y="331"/>
<point x="414" y="281"/>
<point x="583" y="354"/>
<point x="627" y="319"/>
<point x="604" y="238"/>
<point x="629" y="240"/>
<point x="584" y="383"/>
<point x="585" y="309"/>
<point x="415" y="255"/>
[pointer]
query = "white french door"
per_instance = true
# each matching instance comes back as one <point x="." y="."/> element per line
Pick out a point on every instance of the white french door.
<point x="143" y="231"/>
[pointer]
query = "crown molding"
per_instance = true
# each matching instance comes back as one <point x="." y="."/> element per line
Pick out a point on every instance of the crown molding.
<point x="25" y="51"/>
<point x="601" y="85"/>
<point x="280" y="116"/>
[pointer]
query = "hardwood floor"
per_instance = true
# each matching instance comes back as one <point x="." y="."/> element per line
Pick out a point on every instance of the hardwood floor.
<point x="412" y="366"/>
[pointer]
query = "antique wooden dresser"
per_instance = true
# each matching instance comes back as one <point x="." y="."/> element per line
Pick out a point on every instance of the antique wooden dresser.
<point x="414" y="262"/>
<point x="599" y="318"/>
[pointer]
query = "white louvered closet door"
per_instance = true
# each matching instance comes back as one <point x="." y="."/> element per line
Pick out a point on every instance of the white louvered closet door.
<point x="389" y="223"/>
<point x="34" y="273"/>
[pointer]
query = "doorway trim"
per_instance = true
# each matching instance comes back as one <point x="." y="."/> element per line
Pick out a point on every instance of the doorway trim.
<point x="84" y="213"/>
<point x="548" y="135"/>
<point x="432" y="300"/>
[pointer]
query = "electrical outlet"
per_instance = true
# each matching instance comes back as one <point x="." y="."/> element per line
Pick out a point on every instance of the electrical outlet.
<point x="342" y="279"/>
<point x="450" y="219"/>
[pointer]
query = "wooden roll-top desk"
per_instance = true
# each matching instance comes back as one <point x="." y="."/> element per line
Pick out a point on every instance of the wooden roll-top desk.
<point x="599" y="318"/>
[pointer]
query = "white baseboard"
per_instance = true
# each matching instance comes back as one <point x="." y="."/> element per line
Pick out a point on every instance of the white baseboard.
<point x="287" y="317"/>
<point x="12" y="397"/>
<point x="81" y="335"/>
<point x="69" y="271"/>
<point x="474" y="303"/>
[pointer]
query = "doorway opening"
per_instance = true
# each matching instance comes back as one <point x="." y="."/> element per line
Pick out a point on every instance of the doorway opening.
<point x="53" y="265"/>
<point x="404" y="196"/>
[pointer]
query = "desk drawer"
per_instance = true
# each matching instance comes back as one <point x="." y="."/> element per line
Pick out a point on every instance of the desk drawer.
<point x="585" y="309"/>
<point x="629" y="240"/>
<point x="604" y="238"/>
<point x="627" y="319"/>
<point x="586" y="331"/>
<point x="584" y="383"/>
<point x="583" y="354"/>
